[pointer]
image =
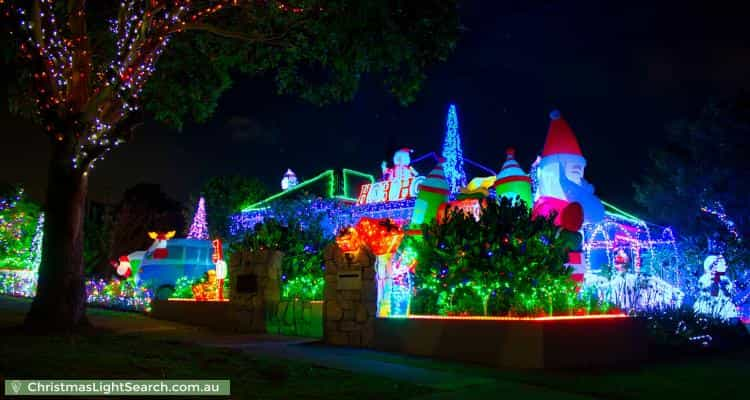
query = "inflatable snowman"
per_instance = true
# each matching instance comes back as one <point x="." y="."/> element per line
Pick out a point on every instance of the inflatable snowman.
<point x="716" y="289"/>
<point x="401" y="169"/>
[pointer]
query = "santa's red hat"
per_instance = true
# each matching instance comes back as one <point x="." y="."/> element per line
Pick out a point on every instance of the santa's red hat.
<point x="560" y="138"/>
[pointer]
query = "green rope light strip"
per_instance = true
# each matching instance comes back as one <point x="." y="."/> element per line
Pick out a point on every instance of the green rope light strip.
<point x="621" y="213"/>
<point x="325" y="174"/>
<point x="345" y="174"/>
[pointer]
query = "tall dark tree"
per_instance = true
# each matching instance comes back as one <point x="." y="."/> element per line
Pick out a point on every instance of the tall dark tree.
<point x="144" y="208"/>
<point x="97" y="238"/>
<point x="83" y="66"/>
<point x="699" y="183"/>
<point x="225" y="196"/>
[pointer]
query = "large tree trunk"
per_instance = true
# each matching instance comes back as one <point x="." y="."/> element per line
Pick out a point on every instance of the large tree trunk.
<point x="60" y="303"/>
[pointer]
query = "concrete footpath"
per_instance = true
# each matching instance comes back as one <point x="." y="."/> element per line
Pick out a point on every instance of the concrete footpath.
<point x="450" y="380"/>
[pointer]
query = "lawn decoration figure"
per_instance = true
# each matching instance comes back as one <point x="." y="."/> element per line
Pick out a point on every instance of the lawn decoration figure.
<point x="401" y="166"/>
<point x="289" y="180"/>
<point x="716" y="290"/>
<point x="512" y="182"/>
<point x="561" y="189"/>
<point x="123" y="267"/>
<point x="477" y="188"/>
<point x="433" y="192"/>
<point x="206" y="290"/>
<point x="621" y="260"/>
<point x="159" y="248"/>
<point x="560" y="176"/>
<point x="221" y="266"/>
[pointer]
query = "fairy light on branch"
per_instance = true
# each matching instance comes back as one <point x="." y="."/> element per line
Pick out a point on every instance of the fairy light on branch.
<point x="66" y="83"/>
<point x="717" y="210"/>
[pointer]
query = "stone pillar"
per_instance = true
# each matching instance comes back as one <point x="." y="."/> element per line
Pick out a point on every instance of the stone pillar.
<point x="254" y="287"/>
<point x="350" y="298"/>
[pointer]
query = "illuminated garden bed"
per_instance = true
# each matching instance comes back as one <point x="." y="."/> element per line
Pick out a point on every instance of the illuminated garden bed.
<point x="517" y="342"/>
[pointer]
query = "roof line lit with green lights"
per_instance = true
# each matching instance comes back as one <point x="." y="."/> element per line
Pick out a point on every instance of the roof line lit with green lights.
<point x="346" y="172"/>
<point x="329" y="174"/>
<point x="612" y="210"/>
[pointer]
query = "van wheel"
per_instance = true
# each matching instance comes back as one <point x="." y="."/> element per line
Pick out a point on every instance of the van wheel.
<point x="164" y="292"/>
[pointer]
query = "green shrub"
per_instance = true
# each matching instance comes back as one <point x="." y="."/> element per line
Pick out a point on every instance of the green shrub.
<point x="505" y="263"/>
<point x="298" y="230"/>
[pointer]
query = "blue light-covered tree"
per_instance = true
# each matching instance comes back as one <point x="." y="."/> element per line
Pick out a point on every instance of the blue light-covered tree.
<point x="199" y="227"/>
<point x="453" y="152"/>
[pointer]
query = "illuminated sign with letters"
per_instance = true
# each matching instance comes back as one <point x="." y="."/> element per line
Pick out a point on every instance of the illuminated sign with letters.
<point x="392" y="190"/>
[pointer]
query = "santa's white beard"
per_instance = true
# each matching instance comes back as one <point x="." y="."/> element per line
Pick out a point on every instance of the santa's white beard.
<point x="549" y="181"/>
<point x="583" y="194"/>
<point x="554" y="183"/>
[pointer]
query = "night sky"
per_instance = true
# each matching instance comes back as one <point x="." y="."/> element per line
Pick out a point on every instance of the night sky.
<point x="618" y="73"/>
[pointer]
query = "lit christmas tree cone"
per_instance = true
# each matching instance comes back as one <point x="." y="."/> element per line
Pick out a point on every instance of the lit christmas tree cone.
<point x="433" y="192"/>
<point x="512" y="182"/>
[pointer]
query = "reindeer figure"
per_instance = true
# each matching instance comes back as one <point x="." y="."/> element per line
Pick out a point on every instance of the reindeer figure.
<point x="159" y="248"/>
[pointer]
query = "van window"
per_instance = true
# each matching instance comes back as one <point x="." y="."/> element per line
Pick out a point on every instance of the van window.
<point x="175" y="252"/>
<point x="196" y="255"/>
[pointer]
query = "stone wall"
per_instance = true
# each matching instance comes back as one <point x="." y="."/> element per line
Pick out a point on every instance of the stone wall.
<point x="587" y="342"/>
<point x="350" y="298"/>
<point x="254" y="288"/>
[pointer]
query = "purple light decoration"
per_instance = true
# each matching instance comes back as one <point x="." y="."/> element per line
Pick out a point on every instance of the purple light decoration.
<point x="199" y="227"/>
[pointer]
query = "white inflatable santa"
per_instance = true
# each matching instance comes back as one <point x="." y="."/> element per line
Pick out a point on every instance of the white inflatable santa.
<point x="560" y="176"/>
<point x="123" y="267"/>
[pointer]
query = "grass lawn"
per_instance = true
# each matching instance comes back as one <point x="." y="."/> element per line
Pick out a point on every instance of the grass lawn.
<point x="161" y="355"/>
<point x="105" y="356"/>
<point x="707" y="376"/>
<point x="718" y="376"/>
<point x="156" y="355"/>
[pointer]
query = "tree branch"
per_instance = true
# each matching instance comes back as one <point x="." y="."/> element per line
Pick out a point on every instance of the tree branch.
<point x="254" y="38"/>
<point x="124" y="130"/>
<point x="80" y="69"/>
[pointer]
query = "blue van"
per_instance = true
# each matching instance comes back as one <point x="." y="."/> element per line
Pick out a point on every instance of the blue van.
<point x="185" y="257"/>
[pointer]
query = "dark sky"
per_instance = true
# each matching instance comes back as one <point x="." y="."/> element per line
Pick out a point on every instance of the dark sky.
<point x="618" y="72"/>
